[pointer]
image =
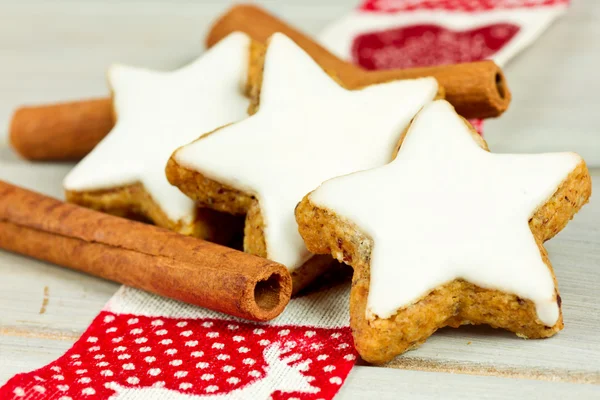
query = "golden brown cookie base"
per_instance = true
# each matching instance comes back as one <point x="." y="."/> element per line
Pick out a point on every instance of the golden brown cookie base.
<point x="134" y="202"/>
<point x="214" y="195"/>
<point x="452" y="304"/>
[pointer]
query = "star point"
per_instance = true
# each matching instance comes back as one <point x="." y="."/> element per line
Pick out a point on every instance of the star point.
<point x="156" y="113"/>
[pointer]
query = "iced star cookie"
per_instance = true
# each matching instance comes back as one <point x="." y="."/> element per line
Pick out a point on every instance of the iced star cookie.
<point x="156" y="112"/>
<point x="446" y="234"/>
<point x="306" y="129"/>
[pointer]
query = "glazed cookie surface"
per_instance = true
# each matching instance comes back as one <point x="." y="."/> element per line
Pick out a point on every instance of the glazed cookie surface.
<point x="446" y="234"/>
<point x="307" y="129"/>
<point x="155" y="113"/>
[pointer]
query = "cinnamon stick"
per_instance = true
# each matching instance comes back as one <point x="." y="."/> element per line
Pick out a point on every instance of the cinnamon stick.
<point x="64" y="131"/>
<point x="71" y="130"/>
<point x="142" y="256"/>
<point x="476" y="90"/>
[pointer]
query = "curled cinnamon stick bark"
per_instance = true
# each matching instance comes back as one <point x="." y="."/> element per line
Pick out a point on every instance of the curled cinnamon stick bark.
<point x="476" y="90"/>
<point x="64" y="131"/>
<point x="71" y="130"/>
<point x="142" y="256"/>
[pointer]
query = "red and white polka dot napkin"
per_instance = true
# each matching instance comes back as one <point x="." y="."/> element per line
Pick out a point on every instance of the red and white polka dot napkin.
<point x="142" y="346"/>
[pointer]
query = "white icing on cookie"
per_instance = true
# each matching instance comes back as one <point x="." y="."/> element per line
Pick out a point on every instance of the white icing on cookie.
<point x="308" y="129"/>
<point x="160" y="111"/>
<point x="446" y="209"/>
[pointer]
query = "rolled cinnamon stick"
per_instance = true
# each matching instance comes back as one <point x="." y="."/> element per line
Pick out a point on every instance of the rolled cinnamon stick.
<point x="64" y="131"/>
<point x="142" y="256"/>
<point x="476" y="90"/>
<point x="71" y="130"/>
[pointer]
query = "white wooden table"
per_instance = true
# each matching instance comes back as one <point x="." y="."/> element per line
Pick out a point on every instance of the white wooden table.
<point x="59" y="50"/>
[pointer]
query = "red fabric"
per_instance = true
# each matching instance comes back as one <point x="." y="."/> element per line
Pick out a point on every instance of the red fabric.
<point x="193" y="356"/>
<point x="428" y="45"/>
<point x="454" y="5"/>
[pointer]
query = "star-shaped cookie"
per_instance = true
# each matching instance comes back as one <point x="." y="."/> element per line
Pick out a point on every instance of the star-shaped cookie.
<point x="307" y="129"/>
<point x="446" y="234"/>
<point x="156" y="113"/>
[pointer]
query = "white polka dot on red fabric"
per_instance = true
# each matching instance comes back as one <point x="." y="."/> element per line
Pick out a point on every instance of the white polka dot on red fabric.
<point x="171" y="351"/>
<point x="207" y="377"/>
<point x="88" y="391"/>
<point x="336" y="380"/>
<point x="133" y="321"/>
<point x="133" y="380"/>
<point x="166" y="341"/>
<point x="202" y="365"/>
<point x="81" y="371"/>
<point x="39" y="389"/>
<point x="254" y="373"/>
<point x="343" y="346"/>
<point x="157" y="322"/>
<point x="120" y="349"/>
<point x="99" y="356"/>
<point x="141" y="340"/>
<point x="223" y="357"/>
<point x="310" y="333"/>
<point x="329" y="368"/>
<point x="109" y="318"/>
<point x="191" y="343"/>
<point x="154" y="371"/>
<point x="243" y="350"/>
<point x="136" y="331"/>
<point x="197" y="354"/>
<point x="145" y="349"/>
<point x="232" y="327"/>
<point x="124" y="357"/>
<point x="258" y="331"/>
<point x="322" y="357"/>
<point x="212" y="334"/>
<point x="233" y="380"/>
<point x="58" y="377"/>
<point x="228" y="368"/>
<point x="76" y="363"/>
<point x="65" y="398"/>
<point x="284" y="332"/>
<point x="117" y="339"/>
<point x="111" y="330"/>
<point x="185" y="386"/>
<point x="106" y="372"/>
<point x="180" y="374"/>
<point x="207" y="324"/>
<point x="62" y="388"/>
<point x="94" y="348"/>
<point x="176" y="363"/>
<point x="238" y="338"/>
<point x="211" y="389"/>
<point x="158" y="384"/>
<point x="85" y="379"/>
<point x="75" y="356"/>
<point x="55" y="368"/>
<point x="102" y="364"/>
<point x="336" y="335"/>
<point x="218" y="346"/>
<point x="150" y="359"/>
<point x="264" y="342"/>
<point x="92" y="339"/>
<point x="161" y="332"/>
<point x="186" y="333"/>
<point x="182" y="324"/>
<point x="349" y="357"/>
<point x="128" y="366"/>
